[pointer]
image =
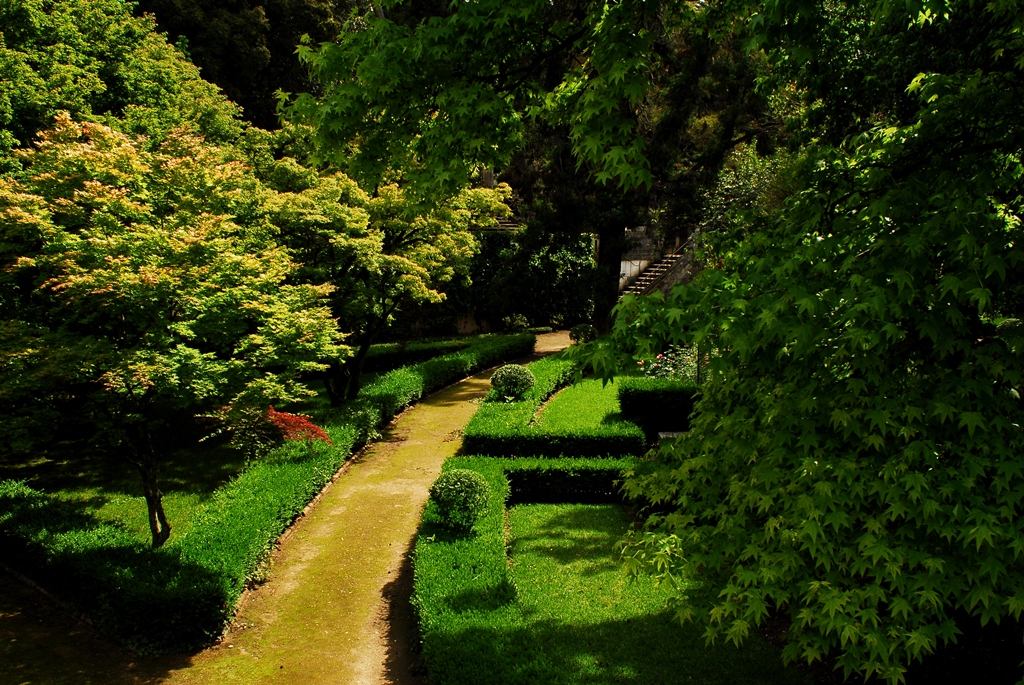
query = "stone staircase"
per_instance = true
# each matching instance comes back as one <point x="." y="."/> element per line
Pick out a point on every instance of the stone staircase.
<point x="653" y="274"/>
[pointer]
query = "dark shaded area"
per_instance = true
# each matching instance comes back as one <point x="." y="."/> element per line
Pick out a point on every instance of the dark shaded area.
<point x="145" y="598"/>
<point x="657" y="405"/>
<point x="41" y="643"/>
<point x="247" y="47"/>
<point x="404" y="664"/>
<point x="992" y="654"/>
<point x="201" y="469"/>
<point x="553" y="445"/>
<point x="563" y="486"/>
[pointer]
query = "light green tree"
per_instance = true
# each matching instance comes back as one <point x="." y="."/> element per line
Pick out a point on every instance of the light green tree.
<point x="150" y="289"/>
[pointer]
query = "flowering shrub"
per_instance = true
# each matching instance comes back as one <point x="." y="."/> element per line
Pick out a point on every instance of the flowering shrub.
<point x="677" y="363"/>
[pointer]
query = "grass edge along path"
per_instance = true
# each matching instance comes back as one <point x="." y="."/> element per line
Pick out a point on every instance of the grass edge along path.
<point x="218" y="664"/>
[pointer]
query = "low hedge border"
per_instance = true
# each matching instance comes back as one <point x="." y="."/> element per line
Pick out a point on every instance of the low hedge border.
<point x="181" y="596"/>
<point x="388" y="356"/>
<point x="506" y="429"/>
<point x="463" y="581"/>
<point x="657" y="404"/>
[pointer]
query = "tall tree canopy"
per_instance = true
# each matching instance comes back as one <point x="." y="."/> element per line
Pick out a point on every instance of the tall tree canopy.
<point x="96" y="61"/>
<point x="150" y="289"/>
<point x="854" y="462"/>
<point x="635" y="95"/>
<point x="248" y="48"/>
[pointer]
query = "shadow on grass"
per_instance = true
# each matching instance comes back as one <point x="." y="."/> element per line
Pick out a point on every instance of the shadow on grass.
<point x="651" y="650"/>
<point x="200" y="468"/>
<point x="147" y="599"/>
<point x="558" y="538"/>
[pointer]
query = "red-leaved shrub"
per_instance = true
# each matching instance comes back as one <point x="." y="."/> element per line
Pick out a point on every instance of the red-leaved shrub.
<point x="296" y="426"/>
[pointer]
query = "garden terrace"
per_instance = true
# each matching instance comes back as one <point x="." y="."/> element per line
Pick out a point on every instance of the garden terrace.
<point x="536" y="594"/>
<point x="582" y="420"/>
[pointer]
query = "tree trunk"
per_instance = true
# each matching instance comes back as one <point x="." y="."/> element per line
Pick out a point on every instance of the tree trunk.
<point x="335" y="382"/>
<point x="611" y="243"/>
<point x="158" y="525"/>
<point x="147" y="464"/>
<point x="355" y="369"/>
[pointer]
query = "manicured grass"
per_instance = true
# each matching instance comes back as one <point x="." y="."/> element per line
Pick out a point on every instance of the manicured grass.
<point x="551" y="604"/>
<point x="596" y="625"/>
<point x="180" y="596"/>
<point x="589" y="404"/>
<point x="582" y="420"/>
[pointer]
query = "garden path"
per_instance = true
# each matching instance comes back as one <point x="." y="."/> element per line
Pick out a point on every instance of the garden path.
<point x="335" y="606"/>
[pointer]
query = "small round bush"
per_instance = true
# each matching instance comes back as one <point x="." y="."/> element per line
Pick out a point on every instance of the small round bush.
<point x="461" y="497"/>
<point x="512" y="380"/>
<point x="582" y="333"/>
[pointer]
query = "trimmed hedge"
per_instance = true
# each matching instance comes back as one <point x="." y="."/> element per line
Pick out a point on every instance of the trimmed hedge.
<point x="503" y="429"/>
<point x="388" y="356"/>
<point x="463" y="590"/>
<point x="657" y="404"/>
<point x="180" y="597"/>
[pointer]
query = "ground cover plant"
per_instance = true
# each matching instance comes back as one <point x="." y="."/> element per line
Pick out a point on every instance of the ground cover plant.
<point x="181" y="595"/>
<point x="548" y="602"/>
<point x="582" y="420"/>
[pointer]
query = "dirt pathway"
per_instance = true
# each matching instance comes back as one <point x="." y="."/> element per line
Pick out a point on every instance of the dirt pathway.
<point x="335" y="608"/>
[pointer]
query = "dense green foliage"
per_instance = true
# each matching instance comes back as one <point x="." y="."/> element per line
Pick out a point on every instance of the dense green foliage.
<point x="656" y="404"/>
<point x="96" y="61"/>
<point x="854" y="459"/>
<point x="547" y="603"/>
<point x="582" y="420"/>
<point x="145" y="287"/>
<point x="512" y="381"/>
<point x="193" y="582"/>
<point x="460" y="498"/>
<point x="248" y="48"/>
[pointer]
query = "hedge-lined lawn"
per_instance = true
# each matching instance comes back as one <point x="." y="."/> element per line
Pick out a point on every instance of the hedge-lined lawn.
<point x="588" y="405"/>
<point x="582" y="420"/>
<point x="589" y="623"/>
<point x="549" y="602"/>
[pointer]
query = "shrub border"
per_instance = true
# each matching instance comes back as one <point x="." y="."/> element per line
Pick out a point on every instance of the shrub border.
<point x="193" y="583"/>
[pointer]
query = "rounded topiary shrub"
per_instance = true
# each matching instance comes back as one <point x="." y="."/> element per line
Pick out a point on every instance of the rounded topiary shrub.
<point x="461" y="497"/>
<point x="512" y="380"/>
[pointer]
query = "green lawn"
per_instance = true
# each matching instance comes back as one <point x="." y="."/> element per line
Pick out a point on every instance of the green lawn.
<point x="570" y="616"/>
<point x="110" y="488"/>
<point x="585" y="405"/>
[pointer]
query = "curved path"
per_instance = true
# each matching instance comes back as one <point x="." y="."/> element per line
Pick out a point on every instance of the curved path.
<point x="335" y="607"/>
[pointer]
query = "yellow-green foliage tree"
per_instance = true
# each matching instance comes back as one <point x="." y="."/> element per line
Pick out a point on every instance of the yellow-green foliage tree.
<point x="150" y="289"/>
<point x="382" y="252"/>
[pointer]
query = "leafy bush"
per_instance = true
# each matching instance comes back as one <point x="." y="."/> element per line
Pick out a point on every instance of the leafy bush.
<point x="515" y="323"/>
<point x="657" y="404"/>
<point x="581" y="333"/>
<point x="512" y="380"/>
<point x="193" y="582"/>
<point x="461" y="497"/>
